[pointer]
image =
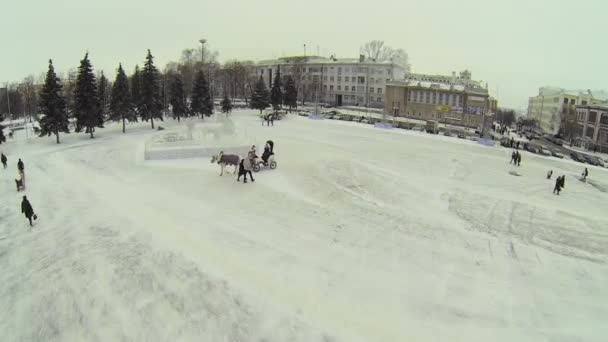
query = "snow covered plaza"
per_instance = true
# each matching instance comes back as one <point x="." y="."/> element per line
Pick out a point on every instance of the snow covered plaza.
<point x="360" y="234"/>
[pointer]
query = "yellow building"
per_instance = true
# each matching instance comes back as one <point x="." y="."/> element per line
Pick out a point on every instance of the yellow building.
<point x="450" y="103"/>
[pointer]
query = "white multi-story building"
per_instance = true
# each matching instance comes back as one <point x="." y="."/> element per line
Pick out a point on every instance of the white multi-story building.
<point x="553" y="106"/>
<point x="337" y="81"/>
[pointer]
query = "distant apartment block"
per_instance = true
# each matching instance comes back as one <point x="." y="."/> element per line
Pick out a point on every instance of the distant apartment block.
<point x="553" y="107"/>
<point x="452" y="99"/>
<point x="591" y="129"/>
<point x="336" y="81"/>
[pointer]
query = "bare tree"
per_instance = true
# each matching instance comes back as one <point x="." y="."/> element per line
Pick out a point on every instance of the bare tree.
<point x="374" y="50"/>
<point x="377" y="51"/>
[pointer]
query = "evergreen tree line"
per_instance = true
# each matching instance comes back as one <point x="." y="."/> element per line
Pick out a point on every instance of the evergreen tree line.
<point x="278" y="95"/>
<point x="127" y="99"/>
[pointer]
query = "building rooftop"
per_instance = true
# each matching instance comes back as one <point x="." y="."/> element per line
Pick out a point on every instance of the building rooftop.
<point x="323" y="60"/>
<point x="440" y="86"/>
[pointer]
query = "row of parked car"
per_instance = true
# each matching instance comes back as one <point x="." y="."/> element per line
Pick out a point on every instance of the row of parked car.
<point x="591" y="160"/>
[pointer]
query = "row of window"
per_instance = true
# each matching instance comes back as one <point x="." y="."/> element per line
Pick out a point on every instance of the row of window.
<point x="372" y="71"/>
<point x="434" y="97"/>
<point x="592" y="117"/>
<point x="352" y="88"/>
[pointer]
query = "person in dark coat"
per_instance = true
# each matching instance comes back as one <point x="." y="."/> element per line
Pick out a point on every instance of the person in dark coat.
<point x="513" y="158"/>
<point x="27" y="210"/>
<point x="271" y="119"/>
<point x="20" y="166"/>
<point x="563" y="181"/>
<point x="3" y="159"/>
<point x="518" y="158"/>
<point x="512" y="142"/>
<point x="558" y="185"/>
<point x="517" y="145"/>
<point x="267" y="151"/>
<point x="242" y="172"/>
<point x="585" y="174"/>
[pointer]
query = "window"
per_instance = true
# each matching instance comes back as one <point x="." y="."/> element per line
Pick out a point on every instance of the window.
<point x="331" y="78"/>
<point x="379" y="90"/>
<point x="352" y="88"/>
<point x="361" y="79"/>
<point x="339" y="70"/>
<point x="427" y="97"/>
<point x="565" y="100"/>
<point x="379" y="99"/>
<point x="371" y="90"/>
<point x="440" y="98"/>
<point x="434" y="97"/>
<point x="339" y="79"/>
<point x="592" y="117"/>
<point x="325" y="87"/>
<point x="339" y="87"/>
<point x="331" y="88"/>
<point x="604" y="119"/>
<point x="346" y="79"/>
<point x="324" y="78"/>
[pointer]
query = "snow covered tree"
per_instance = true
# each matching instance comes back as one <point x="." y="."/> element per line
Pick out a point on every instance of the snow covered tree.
<point x="291" y="94"/>
<point x="177" y="98"/>
<point x="150" y="104"/>
<point x="260" y="98"/>
<point x="121" y="104"/>
<point x="103" y="94"/>
<point x="2" y="137"/>
<point x="226" y="104"/>
<point x="52" y="106"/>
<point x="136" y="87"/>
<point x="87" y="109"/>
<point x="276" y="94"/>
<point x="201" y="103"/>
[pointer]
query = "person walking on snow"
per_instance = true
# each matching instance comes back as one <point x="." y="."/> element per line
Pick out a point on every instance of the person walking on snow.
<point x="20" y="166"/>
<point x="27" y="210"/>
<point x="563" y="181"/>
<point x="558" y="185"/>
<point x="3" y="159"/>
<point x="549" y="174"/>
<point x="513" y="158"/>
<point x="248" y="165"/>
<point x="585" y="174"/>
<point x="518" y="158"/>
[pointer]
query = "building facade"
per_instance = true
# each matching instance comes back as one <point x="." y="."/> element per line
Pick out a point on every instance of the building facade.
<point x="554" y="107"/>
<point x="466" y="104"/>
<point x="591" y="127"/>
<point x="336" y="81"/>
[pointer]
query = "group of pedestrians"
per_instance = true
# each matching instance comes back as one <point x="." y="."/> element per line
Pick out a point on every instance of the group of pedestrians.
<point x="515" y="158"/>
<point x="26" y="207"/>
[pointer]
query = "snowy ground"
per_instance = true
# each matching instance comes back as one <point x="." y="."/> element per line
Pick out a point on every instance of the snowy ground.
<point x="361" y="234"/>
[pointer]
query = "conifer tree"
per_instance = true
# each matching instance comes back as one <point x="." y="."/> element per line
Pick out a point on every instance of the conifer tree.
<point x="103" y="94"/>
<point x="52" y="106"/>
<point x="178" y="103"/>
<point x="151" y="104"/>
<point x="226" y="104"/>
<point x="136" y="87"/>
<point x="198" y="94"/>
<point x="2" y="137"/>
<point x="87" y="110"/>
<point x="207" y="109"/>
<point x="291" y="94"/>
<point x="260" y="97"/>
<point x="121" y="104"/>
<point x="276" y="94"/>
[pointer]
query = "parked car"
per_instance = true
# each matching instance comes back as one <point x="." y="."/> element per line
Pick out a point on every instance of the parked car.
<point x="531" y="148"/>
<point x="577" y="157"/>
<point x="556" y="154"/>
<point x="303" y="114"/>
<point x="432" y="127"/>
<point x="544" y="151"/>
<point x="592" y="160"/>
<point x="461" y="135"/>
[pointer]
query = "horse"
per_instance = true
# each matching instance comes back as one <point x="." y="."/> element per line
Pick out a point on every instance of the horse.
<point x="226" y="159"/>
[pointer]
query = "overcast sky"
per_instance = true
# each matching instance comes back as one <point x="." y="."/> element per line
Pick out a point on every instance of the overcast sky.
<point x="514" y="45"/>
